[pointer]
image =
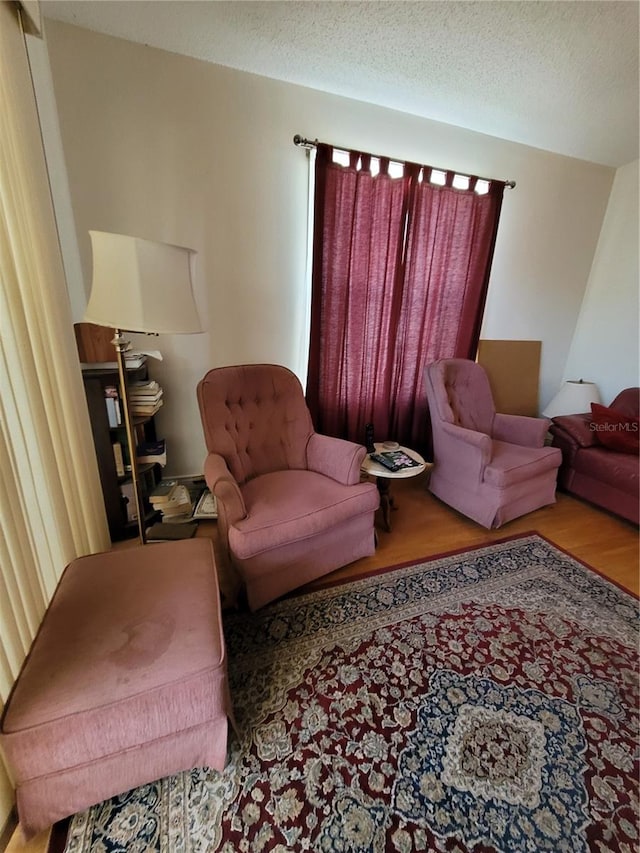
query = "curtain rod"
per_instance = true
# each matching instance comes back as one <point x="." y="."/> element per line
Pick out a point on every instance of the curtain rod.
<point x="301" y="142"/>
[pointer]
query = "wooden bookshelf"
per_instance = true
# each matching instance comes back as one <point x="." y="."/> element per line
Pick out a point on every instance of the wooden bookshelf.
<point x="104" y="435"/>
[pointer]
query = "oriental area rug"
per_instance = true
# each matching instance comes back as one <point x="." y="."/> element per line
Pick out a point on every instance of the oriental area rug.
<point x="482" y="701"/>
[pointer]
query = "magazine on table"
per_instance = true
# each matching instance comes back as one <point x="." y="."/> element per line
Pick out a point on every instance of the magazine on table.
<point x="394" y="460"/>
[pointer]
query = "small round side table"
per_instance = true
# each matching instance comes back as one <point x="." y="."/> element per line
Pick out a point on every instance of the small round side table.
<point x="384" y="476"/>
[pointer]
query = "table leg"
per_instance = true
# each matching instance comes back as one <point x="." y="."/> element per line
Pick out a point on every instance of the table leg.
<point x="387" y="502"/>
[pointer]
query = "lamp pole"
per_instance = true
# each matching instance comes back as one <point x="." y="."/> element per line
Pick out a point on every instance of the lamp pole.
<point x="121" y="346"/>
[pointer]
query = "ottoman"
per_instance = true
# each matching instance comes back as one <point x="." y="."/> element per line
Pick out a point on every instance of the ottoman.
<point x="125" y="681"/>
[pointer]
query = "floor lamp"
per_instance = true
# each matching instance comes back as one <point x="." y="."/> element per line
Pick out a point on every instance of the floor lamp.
<point x="139" y="286"/>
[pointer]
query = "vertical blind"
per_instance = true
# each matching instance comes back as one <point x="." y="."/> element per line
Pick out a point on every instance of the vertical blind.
<point x="51" y="508"/>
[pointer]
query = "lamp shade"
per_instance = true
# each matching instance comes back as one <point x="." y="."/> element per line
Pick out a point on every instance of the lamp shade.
<point x="573" y="398"/>
<point x="141" y="286"/>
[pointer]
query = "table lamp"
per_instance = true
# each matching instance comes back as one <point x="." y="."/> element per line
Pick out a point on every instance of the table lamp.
<point x="573" y="398"/>
<point x="139" y="286"/>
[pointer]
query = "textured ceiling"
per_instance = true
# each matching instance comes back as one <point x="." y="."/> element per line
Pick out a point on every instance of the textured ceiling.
<point x="562" y="76"/>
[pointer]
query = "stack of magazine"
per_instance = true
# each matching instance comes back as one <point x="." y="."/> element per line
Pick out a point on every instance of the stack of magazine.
<point x="185" y="501"/>
<point x="394" y="460"/>
<point x="145" y="397"/>
<point x="206" y="507"/>
<point x="182" y="505"/>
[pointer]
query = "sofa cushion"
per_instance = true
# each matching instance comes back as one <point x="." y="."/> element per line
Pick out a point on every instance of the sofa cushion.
<point x="577" y="427"/>
<point x="627" y="402"/>
<point x="615" y="430"/>
<point x="511" y="463"/>
<point x="608" y="466"/>
<point x="288" y="506"/>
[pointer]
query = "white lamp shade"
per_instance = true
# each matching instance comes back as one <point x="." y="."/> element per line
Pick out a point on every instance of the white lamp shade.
<point x="141" y="286"/>
<point x="573" y="398"/>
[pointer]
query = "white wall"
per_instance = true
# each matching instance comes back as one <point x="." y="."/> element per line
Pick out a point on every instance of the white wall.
<point x="604" y="349"/>
<point x="178" y="150"/>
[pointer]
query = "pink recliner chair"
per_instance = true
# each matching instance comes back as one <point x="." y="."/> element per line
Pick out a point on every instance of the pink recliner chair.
<point x="491" y="467"/>
<point x="291" y="506"/>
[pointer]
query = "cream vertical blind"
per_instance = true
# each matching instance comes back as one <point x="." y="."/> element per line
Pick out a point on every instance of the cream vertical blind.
<point x="51" y="507"/>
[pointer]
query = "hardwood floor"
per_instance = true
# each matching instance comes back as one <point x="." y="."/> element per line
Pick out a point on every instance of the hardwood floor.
<point x="423" y="527"/>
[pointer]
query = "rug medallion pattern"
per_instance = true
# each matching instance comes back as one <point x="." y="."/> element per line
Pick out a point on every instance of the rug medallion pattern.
<point x="485" y="701"/>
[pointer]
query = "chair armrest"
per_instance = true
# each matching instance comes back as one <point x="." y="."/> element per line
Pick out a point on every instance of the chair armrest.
<point x="335" y="458"/>
<point x="520" y="429"/>
<point x="465" y="451"/>
<point x="223" y="485"/>
<point x="575" y="429"/>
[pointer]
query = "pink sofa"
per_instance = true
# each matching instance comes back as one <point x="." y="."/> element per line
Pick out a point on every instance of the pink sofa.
<point x="491" y="467"/>
<point x="291" y="506"/>
<point x="601" y="474"/>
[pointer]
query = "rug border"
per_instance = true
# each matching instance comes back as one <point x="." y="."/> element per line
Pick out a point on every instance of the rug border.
<point x="328" y="584"/>
<point x="590" y="567"/>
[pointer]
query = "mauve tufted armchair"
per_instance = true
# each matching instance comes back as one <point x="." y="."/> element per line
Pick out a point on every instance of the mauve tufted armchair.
<point x="491" y="467"/>
<point x="291" y="506"/>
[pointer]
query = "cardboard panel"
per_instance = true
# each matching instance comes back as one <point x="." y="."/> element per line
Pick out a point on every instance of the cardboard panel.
<point x="513" y="368"/>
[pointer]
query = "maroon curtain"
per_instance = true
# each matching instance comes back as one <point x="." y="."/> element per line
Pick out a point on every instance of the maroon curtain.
<point x="400" y="274"/>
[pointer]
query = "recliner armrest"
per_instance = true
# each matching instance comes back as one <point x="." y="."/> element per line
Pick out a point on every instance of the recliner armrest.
<point x="223" y="485"/>
<point x="335" y="458"/>
<point x="470" y="450"/>
<point x="520" y="429"/>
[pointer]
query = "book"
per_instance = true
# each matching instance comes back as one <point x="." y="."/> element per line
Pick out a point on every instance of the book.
<point x="206" y="506"/>
<point x="163" y="492"/>
<point x="132" y="361"/>
<point x="126" y="490"/>
<point x="144" y="388"/>
<point x="185" y="518"/>
<point x="112" y="402"/>
<point x="162" y="532"/>
<point x="145" y="396"/>
<point x="118" y="458"/>
<point x="394" y="460"/>
<point x="154" y="452"/>
<point x="145" y="410"/>
<point x="148" y="400"/>
<point x="178" y="504"/>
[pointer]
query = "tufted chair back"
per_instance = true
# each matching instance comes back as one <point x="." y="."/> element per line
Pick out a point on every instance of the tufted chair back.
<point x="255" y="416"/>
<point x="463" y="394"/>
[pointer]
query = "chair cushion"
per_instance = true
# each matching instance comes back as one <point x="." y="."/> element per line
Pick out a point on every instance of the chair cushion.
<point x="511" y="463"/>
<point x="288" y="506"/>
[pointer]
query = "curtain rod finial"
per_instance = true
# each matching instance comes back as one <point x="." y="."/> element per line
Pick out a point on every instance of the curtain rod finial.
<point x="301" y="142"/>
